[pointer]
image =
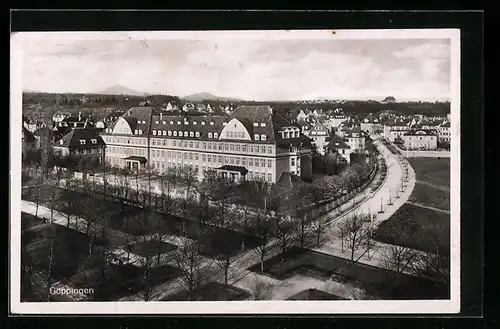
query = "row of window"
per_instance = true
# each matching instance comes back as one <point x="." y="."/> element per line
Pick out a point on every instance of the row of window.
<point x="243" y="161"/>
<point x="83" y="141"/>
<point x="228" y="147"/>
<point x="87" y="151"/>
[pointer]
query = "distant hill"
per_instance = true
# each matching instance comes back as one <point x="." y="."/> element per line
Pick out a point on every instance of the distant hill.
<point x="121" y="90"/>
<point x="198" y="97"/>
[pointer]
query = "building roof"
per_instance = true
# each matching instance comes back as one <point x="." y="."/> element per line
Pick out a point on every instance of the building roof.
<point x="239" y="169"/>
<point x="398" y="122"/>
<point x="72" y="139"/>
<point x="288" y="180"/>
<point x="446" y="124"/>
<point x="420" y="132"/>
<point x="137" y="158"/>
<point x="336" y="143"/>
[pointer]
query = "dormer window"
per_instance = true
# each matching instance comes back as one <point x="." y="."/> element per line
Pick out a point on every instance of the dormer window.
<point x="186" y="122"/>
<point x="154" y="132"/>
<point x="82" y="141"/>
<point x="175" y="133"/>
<point x="94" y="141"/>
<point x="191" y="134"/>
<point x="263" y="137"/>
<point x="156" y="122"/>
<point x="186" y="134"/>
<point x="195" y="123"/>
<point x="171" y="122"/>
<point x="255" y="124"/>
<point x="178" y="122"/>
<point x="224" y="123"/>
<point x="136" y="131"/>
<point x="209" y="135"/>
<point x="140" y="132"/>
<point x="211" y="123"/>
<point x="197" y="134"/>
<point x="170" y="133"/>
<point x="61" y="142"/>
<point x="216" y="135"/>
<point x="164" y="133"/>
<point x="256" y="137"/>
<point x="203" y="123"/>
<point x="287" y="134"/>
<point x="262" y="124"/>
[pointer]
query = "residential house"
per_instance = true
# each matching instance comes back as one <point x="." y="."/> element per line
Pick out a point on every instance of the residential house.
<point x="60" y="116"/>
<point x="339" y="146"/>
<point x="396" y="128"/>
<point x="371" y="124"/>
<point x="318" y="134"/>
<point x="253" y="143"/>
<point x="356" y="139"/>
<point x="444" y="132"/>
<point x="82" y="142"/>
<point x="417" y="139"/>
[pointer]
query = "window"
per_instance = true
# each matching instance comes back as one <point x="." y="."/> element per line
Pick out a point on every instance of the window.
<point x="153" y="141"/>
<point x="196" y="156"/>
<point x="194" y="123"/>
<point x="171" y="122"/>
<point x="262" y="124"/>
<point x="164" y="142"/>
<point x="250" y="175"/>
<point x="191" y="134"/>
<point x="82" y="141"/>
<point x="136" y="131"/>
<point x="163" y="122"/>
<point x="269" y="177"/>
<point x="197" y="134"/>
<point x="204" y="145"/>
<point x="164" y="133"/>
<point x="231" y="160"/>
<point x="209" y="135"/>
<point x="243" y="162"/>
<point x="203" y="157"/>
<point x="244" y="148"/>
<point x="250" y="149"/>
<point x="230" y="134"/>
<point x="185" y="144"/>
<point x="140" y="132"/>
<point x="175" y="133"/>
<point x="203" y="123"/>
<point x="256" y="137"/>
<point x="154" y="132"/>
<point x="269" y="163"/>
<point x="220" y="146"/>
<point x="174" y="142"/>
<point x="262" y="163"/>
<point x="262" y="149"/>
<point x="185" y="156"/>
<point x="216" y="135"/>
<point x="197" y="145"/>
<point x="211" y="123"/>
<point x="209" y="158"/>
<point x="178" y="122"/>
<point x="255" y="124"/>
<point x="190" y="156"/>
<point x="191" y="144"/>
<point x="220" y="158"/>
<point x="209" y="146"/>
<point x="226" y="147"/>
<point x="263" y="137"/>
<point x="226" y="160"/>
<point x="237" y="160"/>
<point x="269" y="150"/>
<point x="232" y="147"/>
<point x="250" y="162"/>
<point x="93" y="141"/>
<point x="237" y="147"/>
<point x="156" y="121"/>
<point x="293" y="162"/>
<point x="186" y="134"/>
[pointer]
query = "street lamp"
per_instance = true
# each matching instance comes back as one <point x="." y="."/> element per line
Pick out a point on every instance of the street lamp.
<point x="381" y="205"/>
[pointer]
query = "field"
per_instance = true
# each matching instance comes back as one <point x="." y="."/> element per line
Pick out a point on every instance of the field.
<point x="417" y="228"/>
<point x="429" y="196"/>
<point x="378" y="282"/>
<point x="211" y="292"/>
<point x="432" y="170"/>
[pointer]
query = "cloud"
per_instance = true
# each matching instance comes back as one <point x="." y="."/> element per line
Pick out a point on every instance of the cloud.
<point x="262" y="70"/>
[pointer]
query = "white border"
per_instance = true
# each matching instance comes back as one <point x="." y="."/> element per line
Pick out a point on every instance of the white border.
<point x="235" y="307"/>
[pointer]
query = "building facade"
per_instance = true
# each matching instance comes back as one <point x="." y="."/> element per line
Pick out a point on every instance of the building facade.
<point x="253" y="143"/>
<point x="444" y="132"/>
<point x="420" y="139"/>
<point x="81" y="142"/>
<point x="319" y="135"/>
<point x="396" y="128"/>
<point x="338" y="145"/>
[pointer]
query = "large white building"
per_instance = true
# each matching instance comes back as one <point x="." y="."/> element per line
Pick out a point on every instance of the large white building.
<point x="252" y="143"/>
<point x="420" y="139"/>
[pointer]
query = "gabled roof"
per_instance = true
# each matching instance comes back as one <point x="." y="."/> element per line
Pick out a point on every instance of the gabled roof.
<point x="337" y="142"/>
<point x="72" y="139"/>
<point x="288" y="180"/>
<point x="446" y="124"/>
<point x="420" y="132"/>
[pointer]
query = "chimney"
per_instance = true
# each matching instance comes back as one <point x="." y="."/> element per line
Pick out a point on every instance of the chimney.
<point x="79" y="116"/>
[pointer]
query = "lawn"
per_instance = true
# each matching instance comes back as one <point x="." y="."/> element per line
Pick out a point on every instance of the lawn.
<point x="151" y="248"/>
<point x="69" y="248"/>
<point x="432" y="170"/>
<point x="417" y="228"/>
<point x="429" y="196"/>
<point x="376" y="281"/>
<point x="137" y="221"/>
<point x="211" y="292"/>
<point x="314" y="294"/>
<point x="28" y="220"/>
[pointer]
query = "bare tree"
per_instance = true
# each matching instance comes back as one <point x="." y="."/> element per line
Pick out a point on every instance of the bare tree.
<point x="283" y="230"/>
<point x="398" y="258"/>
<point x="318" y="227"/>
<point x="265" y="232"/>
<point x="188" y="179"/>
<point x="193" y="266"/>
<point x="355" y="233"/>
<point x="302" y="229"/>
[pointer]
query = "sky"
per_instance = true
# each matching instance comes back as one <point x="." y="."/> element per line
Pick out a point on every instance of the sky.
<point x="263" y="70"/>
